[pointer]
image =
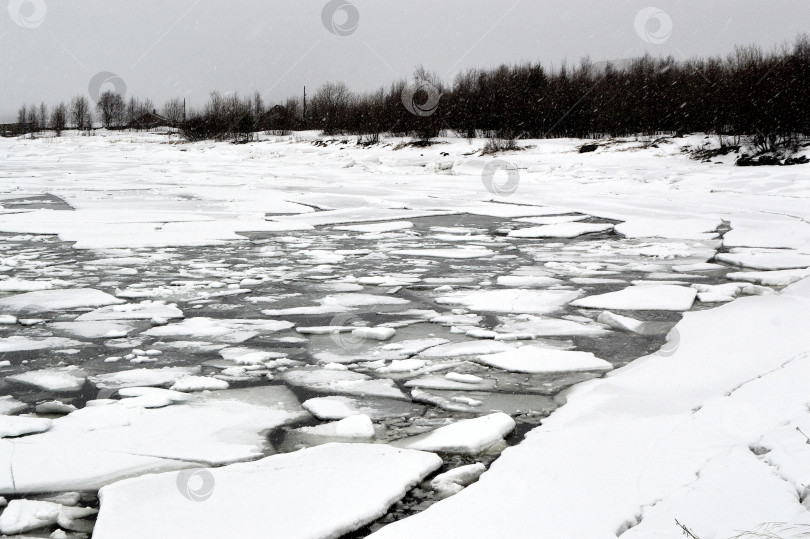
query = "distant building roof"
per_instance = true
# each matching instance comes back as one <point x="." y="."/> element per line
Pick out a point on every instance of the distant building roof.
<point x="150" y="119"/>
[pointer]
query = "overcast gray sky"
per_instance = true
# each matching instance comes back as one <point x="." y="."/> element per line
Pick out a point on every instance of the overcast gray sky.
<point x="51" y="49"/>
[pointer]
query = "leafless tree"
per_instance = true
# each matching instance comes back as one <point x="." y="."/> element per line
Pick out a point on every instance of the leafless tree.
<point x="330" y="106"/>
<point x="43" y="116"/>
<point x="22" y="118"/>
<point x="111" y="108"/>
<point x="132" y="111"/>
<point x="59" y="118"/>
<point x="173" y="110"/>
<point x="147" y="106"/>
<point x="258" y="105"/>
<point x="80" y="114"/>
<point x="33" y="122"/>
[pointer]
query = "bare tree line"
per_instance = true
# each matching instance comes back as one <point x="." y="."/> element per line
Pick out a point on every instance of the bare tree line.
<point x="765" y="96"/>
<point x="111" y="109"/>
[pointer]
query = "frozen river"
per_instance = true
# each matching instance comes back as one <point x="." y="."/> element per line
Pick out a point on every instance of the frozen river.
<point x="129" y="347"/>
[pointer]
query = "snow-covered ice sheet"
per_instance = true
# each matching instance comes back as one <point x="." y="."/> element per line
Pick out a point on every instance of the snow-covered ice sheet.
<point x="13" y="425"/>
<point x="165" y="376"/>
<point x="230" y="330"/>
<point x="511" y="300"/>
<point x="467" y="437"/>
<point x="145" y="310"/>
<point x="94" y="329"/>
<point x="537" y="359"/>
<point x="352" y="427"/>
<point x="18" y="343"/>
<point x="342" y="382"/>
<point x="321" y="492"/>
<point x="560" y="230"/>
<point x="766" y="259"/>
<point x="55" y="379"/>
<point x="55" y="300"/>
<point x="96" y="445"/>
<point x="770" y="278"/>
<point x="642" y="298"/>
<point x="461" y="253"/>
<point x="340" y="407"/>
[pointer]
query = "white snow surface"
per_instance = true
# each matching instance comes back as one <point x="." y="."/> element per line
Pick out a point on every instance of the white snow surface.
<point x="536" y="359"/>
<point x="12" y="425"/>
<point x="230" y="330"/>
<point x="165" y="376"/>
<point x="642" y="298"/>
<point x="144" y="310"/>
<point x="320" y="492"/>
<point x="54" y="300"/>
<point x="55" y="379"/>
<point x="26" y="515"/>
<point x="511" y="300"/>
<point x="560" y="230"/>
<point x="353" y="427"/>
<point x="466" y="437"/>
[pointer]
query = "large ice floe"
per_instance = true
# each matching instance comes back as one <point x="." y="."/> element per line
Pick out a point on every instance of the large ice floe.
<point x="324" y="491"/>
<point x="52" y="300"/>
<point x="97" y="445"/>
<point x="642" y="298"/>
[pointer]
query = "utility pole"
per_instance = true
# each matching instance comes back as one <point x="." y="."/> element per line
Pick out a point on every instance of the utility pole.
<point x="184" y="110"/>
<point x="304" y="117"/>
